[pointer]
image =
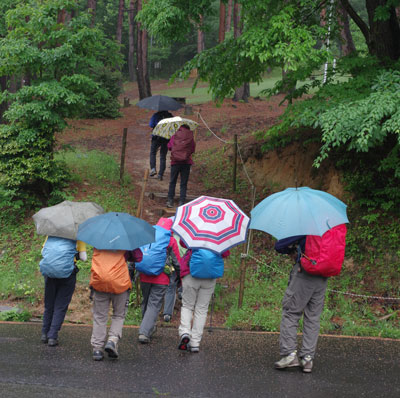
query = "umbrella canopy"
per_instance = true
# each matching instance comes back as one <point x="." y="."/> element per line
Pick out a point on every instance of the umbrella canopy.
<point x="167" y="127"/>
<point x="298" y="211"/>
<point x="211" y="223"/>
<point x="116" y="231"/>
<point x="62" y="220"/>
<point x="159" y="103"/>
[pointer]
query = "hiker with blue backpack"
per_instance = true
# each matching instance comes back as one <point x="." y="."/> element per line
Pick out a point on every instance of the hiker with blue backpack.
<point x="199" y="271"/>
<point x="317" y="258"/>
<point x="154" y="273"/>
<point x="58" y="266"/>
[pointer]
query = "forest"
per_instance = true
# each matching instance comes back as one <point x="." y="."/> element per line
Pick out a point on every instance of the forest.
<point x="339" y="69"/>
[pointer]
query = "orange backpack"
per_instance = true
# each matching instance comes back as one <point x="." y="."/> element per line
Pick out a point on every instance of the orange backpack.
<point x="109" y="272"/>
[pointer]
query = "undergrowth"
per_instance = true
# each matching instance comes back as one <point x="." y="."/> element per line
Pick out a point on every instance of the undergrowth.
<point x="94" y="177"/>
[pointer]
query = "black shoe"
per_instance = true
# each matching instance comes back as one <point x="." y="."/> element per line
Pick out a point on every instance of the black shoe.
<point x="44" y="338"/>
<point x="160" y="178"/>
<point x="111" y="349"/>
<point x="52" y="342"/>
<point x="181" y="202"/>
<point x="170" y="203"/>
<point x="98" y="355"/>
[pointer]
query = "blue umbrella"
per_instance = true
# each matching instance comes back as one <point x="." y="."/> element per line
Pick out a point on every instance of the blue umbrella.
<point x="298" y="211"/>
<point x="116" y="231"/>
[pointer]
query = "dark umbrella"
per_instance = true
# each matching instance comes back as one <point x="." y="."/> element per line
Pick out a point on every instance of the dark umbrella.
<point x="159" y="103"/>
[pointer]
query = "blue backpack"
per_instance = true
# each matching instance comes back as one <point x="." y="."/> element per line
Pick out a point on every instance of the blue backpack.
<point x="155" y="254"/>
<point x="58" y="257"/>
<point x="205" y="264"/>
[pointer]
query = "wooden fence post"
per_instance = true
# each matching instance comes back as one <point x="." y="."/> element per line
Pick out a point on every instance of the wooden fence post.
<point x="242" y="278"/>
<point x="123" y="149"/>
<point x="234" y="162"/>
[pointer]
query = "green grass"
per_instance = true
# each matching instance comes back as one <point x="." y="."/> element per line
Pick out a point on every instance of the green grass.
<point x="97" y="176"/>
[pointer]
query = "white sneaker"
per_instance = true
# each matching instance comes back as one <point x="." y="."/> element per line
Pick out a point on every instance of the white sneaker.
<point x="288" y="361"/>
<point x="153" y="172"/>
<point x="307" y="364"/>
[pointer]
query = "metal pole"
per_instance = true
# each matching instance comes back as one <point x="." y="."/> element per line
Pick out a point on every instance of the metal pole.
<point x="122" y="166"/>
<point x="234" y="162"/>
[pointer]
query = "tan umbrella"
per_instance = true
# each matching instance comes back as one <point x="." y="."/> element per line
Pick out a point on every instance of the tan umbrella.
<point x="167" y="127"/>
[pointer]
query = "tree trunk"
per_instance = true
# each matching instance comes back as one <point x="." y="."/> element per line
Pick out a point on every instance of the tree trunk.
<point x="384" y="35"/>
<point x="3" y="105"/>
<point x="120" y="20"/>
<point x="131" y="50"/>
<point x="221" y="35"/>
<point x="229" y="17"/>
<point x="241" y="93"/>
<point x="346" y="44"/>
<point x="142" y="69"/>
<point x="200" y="37"/>
<point x="92" y="5"/>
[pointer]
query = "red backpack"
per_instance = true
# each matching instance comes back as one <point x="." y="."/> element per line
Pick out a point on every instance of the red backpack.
<point x="182" y="147"/>
<point x="324" y="255"/>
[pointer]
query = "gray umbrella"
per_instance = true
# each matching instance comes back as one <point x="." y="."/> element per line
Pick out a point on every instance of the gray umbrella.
<point x="159" y="103"/>
<point x="63" y="219"/>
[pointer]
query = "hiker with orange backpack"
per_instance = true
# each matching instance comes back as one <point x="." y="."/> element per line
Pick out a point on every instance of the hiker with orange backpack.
<point x="182" y="146"/>
<point x="110" y="281"/>
<point x="317" y="258"/>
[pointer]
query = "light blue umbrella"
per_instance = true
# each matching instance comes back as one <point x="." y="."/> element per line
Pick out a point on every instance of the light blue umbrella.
<point x="116" y="231"/>
<point x="298" y="211"/>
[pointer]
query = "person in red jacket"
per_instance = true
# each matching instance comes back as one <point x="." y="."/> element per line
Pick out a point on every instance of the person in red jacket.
<point x="182" y="146"/>
<point x="154" y="288"/>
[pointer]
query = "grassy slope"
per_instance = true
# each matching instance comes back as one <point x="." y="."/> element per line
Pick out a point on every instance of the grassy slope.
<point x="266" y="278"/>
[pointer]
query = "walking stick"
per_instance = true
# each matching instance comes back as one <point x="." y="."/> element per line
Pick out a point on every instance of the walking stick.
<point x="212" y="310"/>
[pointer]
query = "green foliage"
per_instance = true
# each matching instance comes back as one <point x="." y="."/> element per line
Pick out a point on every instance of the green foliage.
<point x="97" y="175"/>
<point x="57" y="62"/>
<point x="15" y="316"/>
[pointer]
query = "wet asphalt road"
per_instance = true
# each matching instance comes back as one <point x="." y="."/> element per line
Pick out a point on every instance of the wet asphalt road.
<point x="230" y="364"/>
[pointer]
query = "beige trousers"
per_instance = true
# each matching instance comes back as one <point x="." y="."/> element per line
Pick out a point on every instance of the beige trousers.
<point x="196" y="296"/>
<point x="101" y="306"/>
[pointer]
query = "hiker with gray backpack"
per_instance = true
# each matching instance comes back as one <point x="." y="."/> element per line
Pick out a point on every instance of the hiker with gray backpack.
<point x="182" y="146"/>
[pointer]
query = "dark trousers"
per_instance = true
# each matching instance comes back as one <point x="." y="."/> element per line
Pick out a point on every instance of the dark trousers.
<point x="162" y="144"/>
<point x="57" y="296"/>
<point x="184" y="171"/>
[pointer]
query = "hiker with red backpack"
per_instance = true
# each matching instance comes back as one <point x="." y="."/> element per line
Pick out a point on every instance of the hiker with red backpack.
<point x="317" y="258"/>
<point x="110" y="282"/>
<point x="182" y="146"/>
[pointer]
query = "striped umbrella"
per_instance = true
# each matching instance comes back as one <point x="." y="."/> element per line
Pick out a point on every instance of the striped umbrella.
<point x="211" y="223"/>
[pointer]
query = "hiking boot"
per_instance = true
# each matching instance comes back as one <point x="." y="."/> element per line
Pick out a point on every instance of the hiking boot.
<point x="153" y="172"/>
<point x="144" y="339"/>
<point x="52" y="342"/>
<point x="111" y="349"/>
<point x="98" y="355"/>
<point x="307" y="364"/>
<point x="288" y="361"/>
<point x="183" y="344"/>
<point x="44" y="338"/>
<point x="170" y="203"/>
<point x="153" y="330"/>
<point x="159" y="177"/>
<point x="167" y="318"/>
<point x="194" y="349"/>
